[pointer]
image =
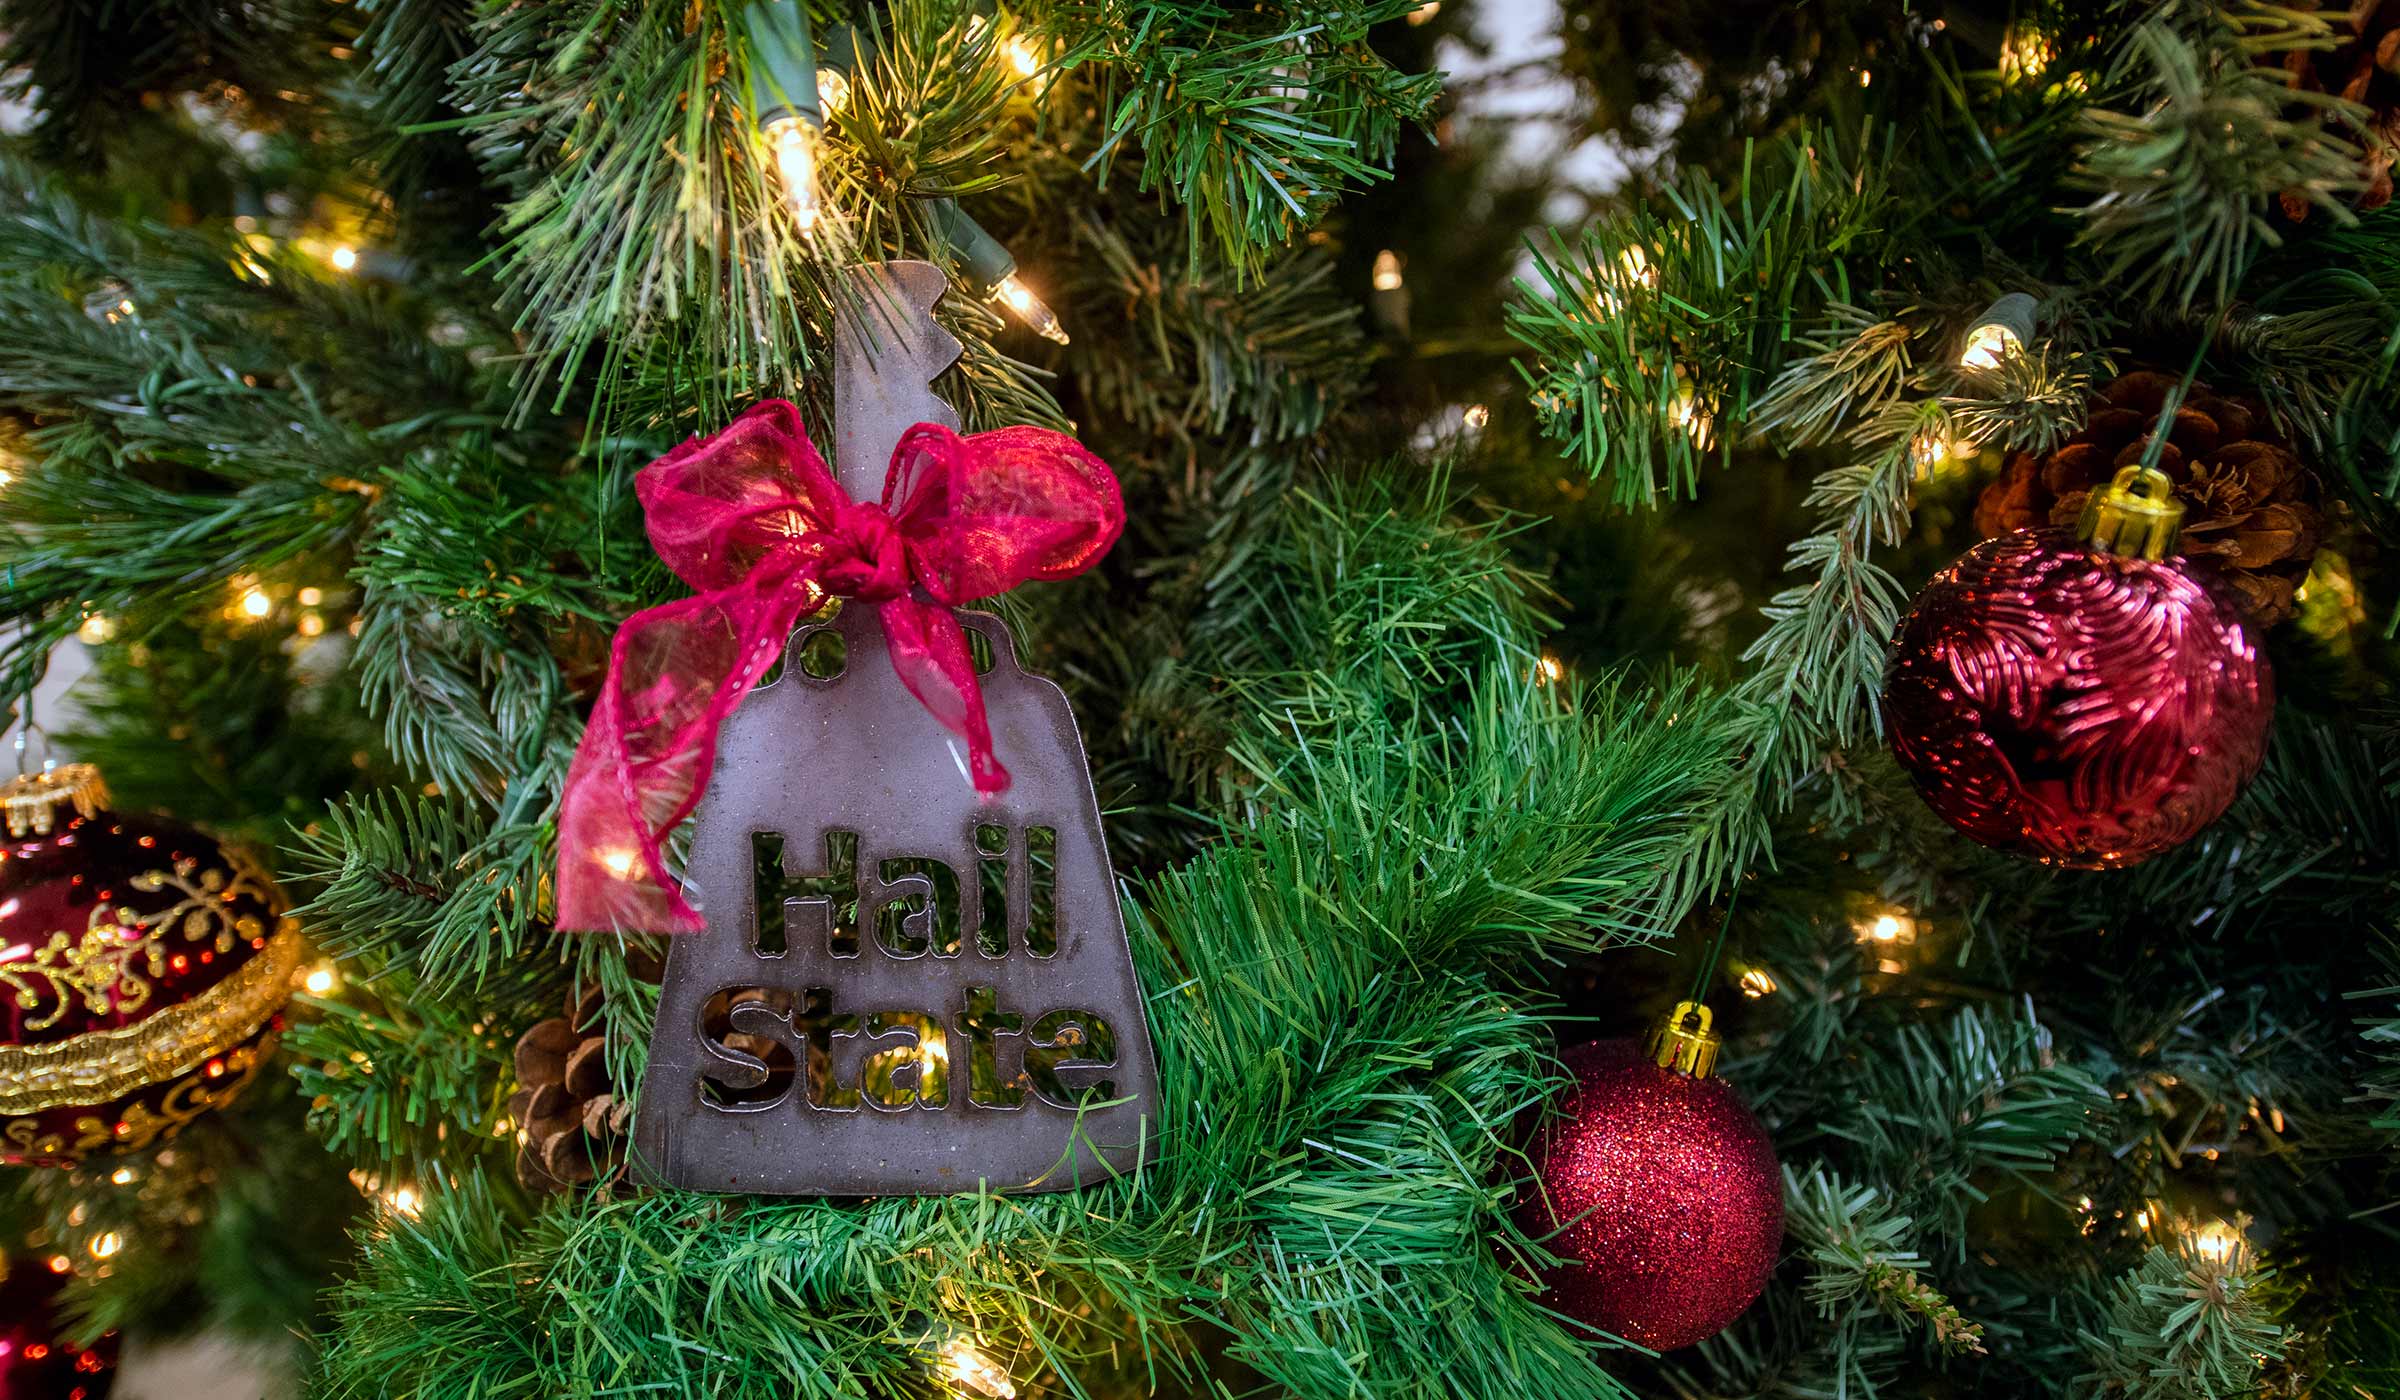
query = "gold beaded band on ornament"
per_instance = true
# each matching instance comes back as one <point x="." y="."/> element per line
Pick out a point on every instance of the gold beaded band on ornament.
<point x="104" y="1065"/>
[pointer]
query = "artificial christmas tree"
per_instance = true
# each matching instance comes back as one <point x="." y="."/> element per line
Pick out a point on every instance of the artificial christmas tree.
<point x="1495" y="654"/>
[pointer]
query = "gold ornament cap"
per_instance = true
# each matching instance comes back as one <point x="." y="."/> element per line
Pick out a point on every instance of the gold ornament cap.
<point x="1682" y="1040"/>
<point x="32" y="800"/>
<point x="2135" y="516"/>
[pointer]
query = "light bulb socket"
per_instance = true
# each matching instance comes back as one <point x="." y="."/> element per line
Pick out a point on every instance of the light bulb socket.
<point x="2008" y="322"/>
<point x="1684" y="1040"/>
<point x="2135" y="516"/>
<point x="985" y="258"/>
<point x="782" y="73"/>
<point x="841" y="48"/>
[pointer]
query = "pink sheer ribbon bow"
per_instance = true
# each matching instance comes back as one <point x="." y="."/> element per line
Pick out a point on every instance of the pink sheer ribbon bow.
<point x="753" y="521"/>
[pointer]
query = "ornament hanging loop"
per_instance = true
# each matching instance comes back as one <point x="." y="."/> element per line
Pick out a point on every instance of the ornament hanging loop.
<point x="29" y="734"/>
<point x="2135" y="516"/>
<point x="1684" y="1040"/>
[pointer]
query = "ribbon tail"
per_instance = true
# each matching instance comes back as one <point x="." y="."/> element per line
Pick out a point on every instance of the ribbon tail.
<point x="928" y="647"/>
<point x="675" y="673"/>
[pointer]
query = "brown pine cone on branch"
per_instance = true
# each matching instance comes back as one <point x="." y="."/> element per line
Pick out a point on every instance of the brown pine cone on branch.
<point x="2362" y="67"/>
<point x="2253" y="513"/>
<point x="571" y="1123"/>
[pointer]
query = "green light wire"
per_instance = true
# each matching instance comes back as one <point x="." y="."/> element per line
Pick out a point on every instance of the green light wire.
<point x="1716" y="946"/>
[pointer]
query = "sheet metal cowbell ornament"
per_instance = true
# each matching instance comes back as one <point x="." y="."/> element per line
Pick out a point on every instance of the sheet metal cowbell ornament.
<point x="902" y="988"/>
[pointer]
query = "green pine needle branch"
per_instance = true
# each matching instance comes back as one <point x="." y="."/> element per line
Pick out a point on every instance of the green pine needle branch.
<point x="1857" y="1251"/>
<point x="1653" y="332"/>
<point x="1258" y="117"/>
<point x="2181" y="189"/>
<point x="2192" y="1321"/>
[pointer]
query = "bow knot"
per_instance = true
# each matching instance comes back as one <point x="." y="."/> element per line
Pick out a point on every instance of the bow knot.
<point x="753" y="521"/>
<point x="867" y="556"/>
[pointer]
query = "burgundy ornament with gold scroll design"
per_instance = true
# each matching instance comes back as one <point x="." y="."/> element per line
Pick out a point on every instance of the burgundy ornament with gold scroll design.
<point x="143" y="969"/>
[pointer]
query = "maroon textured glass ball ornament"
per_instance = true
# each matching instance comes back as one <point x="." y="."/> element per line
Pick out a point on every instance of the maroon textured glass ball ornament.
<point x="143" y="972"/>
<point x="1657" y="1188"/>
<point x="2082" y="700"/>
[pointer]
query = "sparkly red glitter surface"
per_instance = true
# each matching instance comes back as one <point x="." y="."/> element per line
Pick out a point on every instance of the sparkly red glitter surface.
<point x="1670" y="1197"/>
<point x="2076" y="707"/>
<point x="35" y="1362"/>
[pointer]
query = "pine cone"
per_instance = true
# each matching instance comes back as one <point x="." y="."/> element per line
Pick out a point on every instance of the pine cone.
<point x="581" y="646"/>
<point x="2364" y="68"/>
<point x="571" y="1122"/>
<point x="2252" y="512"/>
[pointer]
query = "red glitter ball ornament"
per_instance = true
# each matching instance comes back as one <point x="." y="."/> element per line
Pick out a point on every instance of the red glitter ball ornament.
<point x="36" y="1363"/>
<point x="2083" y="707"/>
<point x="1661" y="1192"/>
<point x="143" y="972"/>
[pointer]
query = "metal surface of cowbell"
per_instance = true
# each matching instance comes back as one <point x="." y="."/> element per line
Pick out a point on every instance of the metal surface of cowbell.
<point x="902" y="988"/>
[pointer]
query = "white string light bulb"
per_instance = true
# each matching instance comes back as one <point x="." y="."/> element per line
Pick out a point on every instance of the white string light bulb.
<point x="965" y="1365"/>
<point x="1999" y="333"/>
<point x="1012" y="293"/>
<point x="1988" y="345"/>
<point x="795" y="145"/>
